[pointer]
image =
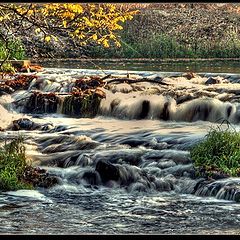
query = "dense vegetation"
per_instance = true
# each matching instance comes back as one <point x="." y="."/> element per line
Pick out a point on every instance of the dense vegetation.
<point x="220" y="151"/>
<point x="15" y="49"/>
<point x="12" y="166"/>
<point x="179" y="31"/>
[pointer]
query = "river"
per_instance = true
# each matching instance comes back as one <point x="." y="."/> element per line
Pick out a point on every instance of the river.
<point x="155" y="191"/>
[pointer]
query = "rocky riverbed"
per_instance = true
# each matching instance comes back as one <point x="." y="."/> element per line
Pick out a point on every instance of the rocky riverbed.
<point x="135" y="146"/>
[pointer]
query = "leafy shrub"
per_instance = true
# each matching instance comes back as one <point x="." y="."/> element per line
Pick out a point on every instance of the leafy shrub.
<point x="12" y="165"/>
<point x="7" y="67"/>
<point x="16" y="50"/>
<point x="219" y="151"/>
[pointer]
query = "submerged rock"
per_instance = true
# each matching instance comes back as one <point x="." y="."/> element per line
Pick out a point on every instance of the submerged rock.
<point x="212" y="80"/>
<point x="227" y="189"/>
<point x="107" y="171"/>
<point x="92" y="177"/>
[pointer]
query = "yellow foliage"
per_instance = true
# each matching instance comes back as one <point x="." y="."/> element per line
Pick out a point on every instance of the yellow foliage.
<point x="94" y="37"/>
<point x="37" y="30"/>
<point x="85" y="22"/>
<point x="47" y="38"/>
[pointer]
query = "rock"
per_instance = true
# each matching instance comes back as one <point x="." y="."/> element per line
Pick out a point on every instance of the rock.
<point x="5" y="89"/>
<point x="189" y="75"/>
<point x="237" y="197"/>
<point x="219" y="175"/>
<point x="212" y="80"/>
<point x="22" y="124"/>
<point x="92" y="177"/>
<point x="39" y="177"/>
<point x="145" y="109"/>
<point x="107" y="171"/>
<point x="184" y="98"/>
<point x="27" y="124"/>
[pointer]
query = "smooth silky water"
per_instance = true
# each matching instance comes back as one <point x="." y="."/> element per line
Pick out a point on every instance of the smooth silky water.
<point x="159" y="148"/>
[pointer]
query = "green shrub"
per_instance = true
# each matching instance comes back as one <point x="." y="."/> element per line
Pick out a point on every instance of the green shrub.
<point x="7" y="67"/>
<point x="12" y="166"/>
<point x="16" y="50"/>
<point x="220" y="150"/>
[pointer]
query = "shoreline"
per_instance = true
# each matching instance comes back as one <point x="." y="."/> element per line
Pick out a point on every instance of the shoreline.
<point x="135" y="59"/>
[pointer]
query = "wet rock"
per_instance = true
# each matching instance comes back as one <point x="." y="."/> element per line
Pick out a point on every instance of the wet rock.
<point x="84" y="104"/>
<point x="212" y="80"/>
<point x="22" y="124"/>
<point x="4" y="89"/>
<point x="27" y="124"/>
<point x="92" y="177"/>
<point x="189" y="75"/>
<point x="212" y="174"/>
<point x="165" y="112"/>
<point x="184" y="98"/>
<point x="237" y="197"/>
<point x="39" y="177"/>
<point x="57" y="129"/>
<point x="42" y="103"/>
<point x="89" y="83"/>
<point x="20" y="82"/>
<point x="107" y="171"/>
<point x="145" y="109"/>
<point x="219" y="175"/>
<point x="200" y="184"/>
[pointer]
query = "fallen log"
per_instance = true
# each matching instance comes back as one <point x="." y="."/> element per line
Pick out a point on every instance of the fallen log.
<point x="129" y="81"/>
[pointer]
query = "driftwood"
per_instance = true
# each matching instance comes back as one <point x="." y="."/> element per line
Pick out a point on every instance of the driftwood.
<point x="105" y="77"/>
<point x="129" y="81"/>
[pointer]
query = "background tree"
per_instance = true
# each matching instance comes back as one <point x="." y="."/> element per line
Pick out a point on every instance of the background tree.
<point x="55" y="22"/>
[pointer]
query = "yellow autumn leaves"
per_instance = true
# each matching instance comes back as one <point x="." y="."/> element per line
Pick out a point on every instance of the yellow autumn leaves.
<point x="86" y="22"/>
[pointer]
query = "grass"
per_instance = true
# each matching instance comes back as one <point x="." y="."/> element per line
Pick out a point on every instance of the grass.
<point x="220" y="151"/>
<point x="12" y="166"/>
<point x="153" y="44"/>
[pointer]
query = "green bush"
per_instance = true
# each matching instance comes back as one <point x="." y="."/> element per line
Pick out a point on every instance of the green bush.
<point x="16" y="50"/>
<point x="7" y="67"/>
<point x="220" y="150"/>
<point x="12" y="166"/>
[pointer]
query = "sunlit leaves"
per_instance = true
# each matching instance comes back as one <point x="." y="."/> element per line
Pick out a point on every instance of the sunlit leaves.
<point x="84" y="22"/>
<point x="47" y="38"/>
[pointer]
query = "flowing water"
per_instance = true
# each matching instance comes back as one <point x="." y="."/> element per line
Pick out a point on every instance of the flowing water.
<point x="144" y="132"/>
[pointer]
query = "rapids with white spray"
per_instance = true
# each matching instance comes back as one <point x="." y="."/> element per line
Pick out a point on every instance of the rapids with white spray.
<point x="144" y="132"/>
